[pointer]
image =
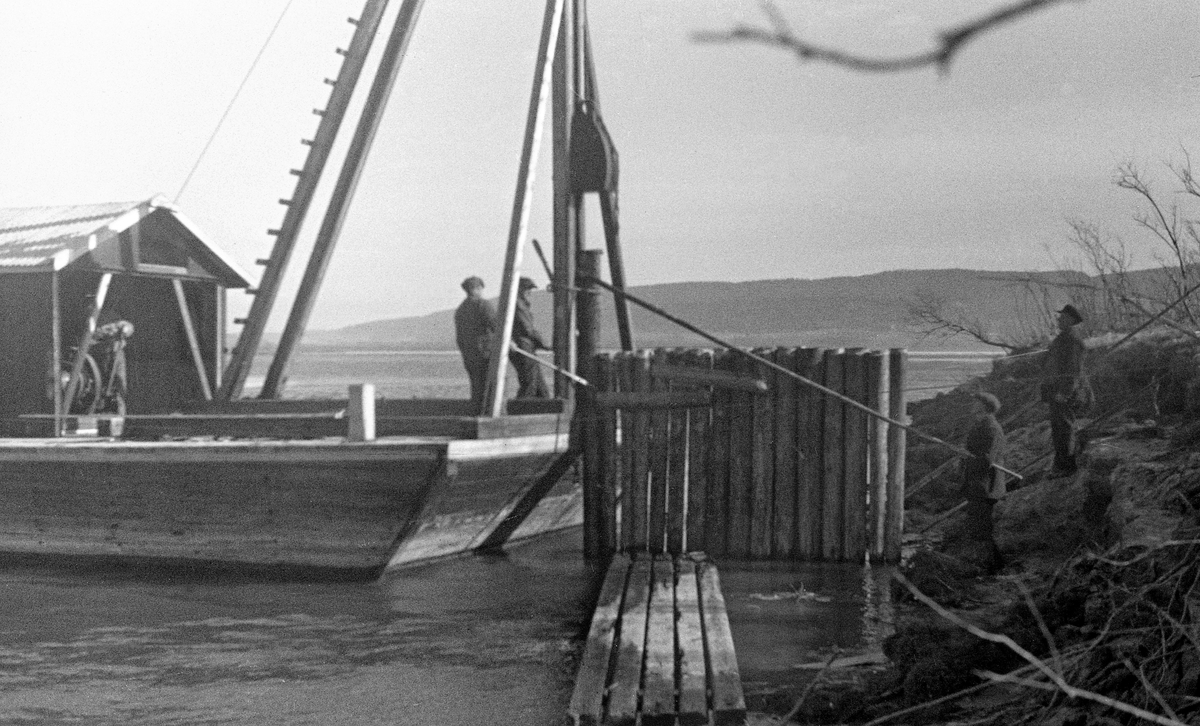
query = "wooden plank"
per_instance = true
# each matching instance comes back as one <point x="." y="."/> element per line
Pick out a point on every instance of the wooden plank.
<point x="682" y="373"/>
<point x="658" y="681"/>
<point x="627" y="671"/>
<point x="659" y="451"/>
<point x="676" y="506"/>
<point x="728" y="700"/>
<point x="189" y="331"/>
<point x="698" y="453"/>
<point x="762" y="465"/>
<point x="693" y="680"/>
<point x="717" y="498"/>
<point x="626" y="451"/>
<point x="810" y="417"/>
<point x="741" y="468"/>
<point x="832" y="458"/>
<point x="784" y="509"/>
<point x="638" y="484"/>
<point x="654" y="400"/>
<point x="587" y="701"/>
<point x="609" y="461"/>
<point x="878" y="394"/>
<point x="898" y="406"/>
<point x="854" y="512"/>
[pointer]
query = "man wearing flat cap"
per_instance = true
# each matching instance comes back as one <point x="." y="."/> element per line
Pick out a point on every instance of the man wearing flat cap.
<point x="474" y="326"/>
<point x="526" y="337"/>
<point x="1064" y="389"/>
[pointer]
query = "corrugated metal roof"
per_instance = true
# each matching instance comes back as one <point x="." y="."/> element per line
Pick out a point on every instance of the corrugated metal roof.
<point x="34" y="236"/>
<point x="53" y="237"/>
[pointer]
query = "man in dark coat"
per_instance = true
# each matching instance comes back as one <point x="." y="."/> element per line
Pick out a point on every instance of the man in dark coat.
<point x="526" y="337"/>
<point x="474" y="326"/>
<point x="1064" y="390"/>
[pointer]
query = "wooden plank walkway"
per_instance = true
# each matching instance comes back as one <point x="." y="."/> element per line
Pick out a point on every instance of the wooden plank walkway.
<point x="659" y="650"/>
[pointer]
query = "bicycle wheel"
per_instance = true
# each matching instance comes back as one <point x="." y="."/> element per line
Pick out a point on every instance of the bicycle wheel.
<point x="87" y="392"/>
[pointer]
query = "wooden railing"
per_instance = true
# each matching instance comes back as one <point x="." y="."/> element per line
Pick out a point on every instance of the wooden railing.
<point x="685" y="451"/>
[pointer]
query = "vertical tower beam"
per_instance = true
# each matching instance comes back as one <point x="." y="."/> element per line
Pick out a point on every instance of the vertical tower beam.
<point x="567" y="227"/>
<point x="321" y="145"/>
<point x="339" y="204"/>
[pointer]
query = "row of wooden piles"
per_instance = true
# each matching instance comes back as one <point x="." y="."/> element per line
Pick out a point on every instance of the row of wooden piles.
<point x="676" y="465"/>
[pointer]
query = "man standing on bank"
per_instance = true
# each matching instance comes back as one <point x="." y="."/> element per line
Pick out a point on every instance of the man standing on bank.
<point x="1063" y="389"/>
<point x="526" y="337"/>
<point x="474" y="326"/>
<point x="983" y="483"/>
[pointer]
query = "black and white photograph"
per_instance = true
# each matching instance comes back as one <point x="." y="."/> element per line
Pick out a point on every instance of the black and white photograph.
<point x="599" y="362"/>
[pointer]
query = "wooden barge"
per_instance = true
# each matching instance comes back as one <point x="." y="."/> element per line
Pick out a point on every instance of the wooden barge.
<point x="181" y="467"/>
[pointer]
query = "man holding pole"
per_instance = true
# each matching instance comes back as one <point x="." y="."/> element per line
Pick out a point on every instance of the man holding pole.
<point x="527" y="338"/>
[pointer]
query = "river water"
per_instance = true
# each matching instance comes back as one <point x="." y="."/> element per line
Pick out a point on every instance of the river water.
<point x="477" y="640"/>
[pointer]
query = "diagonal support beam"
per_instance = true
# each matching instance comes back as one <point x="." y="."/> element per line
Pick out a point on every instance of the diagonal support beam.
<point x="519" y="227"/>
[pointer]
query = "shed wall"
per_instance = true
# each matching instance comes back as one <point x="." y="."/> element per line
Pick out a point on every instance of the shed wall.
<point x="27" y="348"/>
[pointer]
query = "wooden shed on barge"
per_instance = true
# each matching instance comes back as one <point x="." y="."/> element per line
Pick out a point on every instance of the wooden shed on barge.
<point x="66" y="269"/>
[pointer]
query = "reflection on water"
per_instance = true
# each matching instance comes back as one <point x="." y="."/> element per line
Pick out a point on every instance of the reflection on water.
<point x="485" y="640"/>
<point x="480" y="640"/>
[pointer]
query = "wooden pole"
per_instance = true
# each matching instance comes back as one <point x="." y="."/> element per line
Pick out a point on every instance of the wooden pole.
<point x="640" y="446"/>
<point x="361" y="413"/>
<point x="898" y="411"/>
<point x="594" y="481"/>
<point x="762" y="466"/>
<point x="716" y="525"/>
<point x="608" y="473"/>
<point x="833" y="458"/>
<point x="879" y="387"/>
<point x="784" y="509"/>
<point x="698" y="475"/>
<point x="519" y="225"/>
<point x="56" y="348"/>
<point x="343" y="193"/>
<point x="366" y="27"/>
<point x="660" y="449"/>
<point x="627" y="451"/>
<point x="810" y="417"/>
<point x="189" y="329"/>
<point x="741" y="468"/>
<point x="854" y="521"/>
<point x="85" y="342"/>
<point x="677" y="465"/>
<point x="566" y="232"/>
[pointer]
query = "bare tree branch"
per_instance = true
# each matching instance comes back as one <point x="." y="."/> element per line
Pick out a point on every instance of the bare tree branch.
<point x="781" y="35"/>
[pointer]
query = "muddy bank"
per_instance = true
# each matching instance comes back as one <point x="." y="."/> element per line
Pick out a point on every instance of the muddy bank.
<point x="1086" y="610"/>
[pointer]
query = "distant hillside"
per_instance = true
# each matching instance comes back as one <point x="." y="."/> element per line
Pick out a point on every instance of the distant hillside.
<point x="868" y="310"/>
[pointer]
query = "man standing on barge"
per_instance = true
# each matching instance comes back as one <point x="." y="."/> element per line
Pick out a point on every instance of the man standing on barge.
<point x="526" y="337"/>
<point x="474" y="326"/>
<point x="1064" y="389"/>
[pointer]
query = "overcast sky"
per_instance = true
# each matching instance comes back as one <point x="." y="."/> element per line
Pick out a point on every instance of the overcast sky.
<point x="737" y="162"/>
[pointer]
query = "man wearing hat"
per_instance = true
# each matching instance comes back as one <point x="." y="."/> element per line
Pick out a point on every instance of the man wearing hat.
<point x="1063" y="389"/>
<point x="474" y="326"/>
<point x="526" y="337"/>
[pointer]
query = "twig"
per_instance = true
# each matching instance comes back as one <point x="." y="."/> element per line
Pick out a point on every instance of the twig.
<point x="1150" y="689"/>
<point x="809" y="688"/>
<point x="951" y="41"/>
<point x="942" y="517"/>
<point x="1037" y="615"/>
<point x="1057" y="679"/>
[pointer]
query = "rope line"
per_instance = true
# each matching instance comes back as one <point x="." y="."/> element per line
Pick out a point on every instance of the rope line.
<point x="232" y="101"/>
<point x="791" y="374"/>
